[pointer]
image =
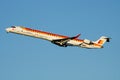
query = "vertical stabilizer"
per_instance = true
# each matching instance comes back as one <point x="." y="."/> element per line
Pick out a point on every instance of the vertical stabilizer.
<point x="102" y="40"/>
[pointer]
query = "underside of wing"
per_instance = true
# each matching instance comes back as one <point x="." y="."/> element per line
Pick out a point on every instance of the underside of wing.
<point x="64" y="42"/>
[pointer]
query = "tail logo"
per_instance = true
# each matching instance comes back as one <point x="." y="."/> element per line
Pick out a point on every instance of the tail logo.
<point x="100" y="42"/>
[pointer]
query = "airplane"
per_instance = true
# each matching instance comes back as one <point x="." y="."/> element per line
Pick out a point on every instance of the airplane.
<point x="60" y="40"/>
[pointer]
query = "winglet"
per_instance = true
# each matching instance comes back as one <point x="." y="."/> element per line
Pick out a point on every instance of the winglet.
<point x="75" y="36"/>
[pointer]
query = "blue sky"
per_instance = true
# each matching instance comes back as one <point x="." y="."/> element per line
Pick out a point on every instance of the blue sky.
<point x="26" y="58"/>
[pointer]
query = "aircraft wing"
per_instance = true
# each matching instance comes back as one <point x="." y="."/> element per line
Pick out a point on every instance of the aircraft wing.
<point x="63" y="42"/>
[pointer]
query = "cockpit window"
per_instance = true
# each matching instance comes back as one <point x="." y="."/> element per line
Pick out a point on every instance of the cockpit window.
<point x="13" y="26"/>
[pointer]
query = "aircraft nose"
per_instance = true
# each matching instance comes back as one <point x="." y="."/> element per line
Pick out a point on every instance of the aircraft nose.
<point x="7" y="29"/>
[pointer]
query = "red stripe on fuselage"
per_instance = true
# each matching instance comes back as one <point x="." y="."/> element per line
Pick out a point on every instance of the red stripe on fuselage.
<point x="50" y="34"/>
<point x="46" y="33"/>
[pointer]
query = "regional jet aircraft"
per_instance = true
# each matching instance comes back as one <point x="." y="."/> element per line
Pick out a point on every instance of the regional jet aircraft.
<point x="57" y="39"/>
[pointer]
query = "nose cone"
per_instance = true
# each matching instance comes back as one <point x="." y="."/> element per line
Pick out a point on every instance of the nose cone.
<point x="7" y="30"/>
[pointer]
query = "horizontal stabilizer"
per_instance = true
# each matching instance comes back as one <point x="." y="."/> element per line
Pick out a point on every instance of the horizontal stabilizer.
<point x="108" y="39"/>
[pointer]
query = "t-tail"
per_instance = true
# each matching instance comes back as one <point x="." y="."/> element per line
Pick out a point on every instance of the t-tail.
<point x="102" y="40"/>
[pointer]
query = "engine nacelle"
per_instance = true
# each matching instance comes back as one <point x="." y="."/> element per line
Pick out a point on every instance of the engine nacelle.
<point x="87" y="41"/>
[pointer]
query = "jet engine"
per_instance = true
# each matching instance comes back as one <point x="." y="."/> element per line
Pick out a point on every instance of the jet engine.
<point x="87" y="41"/>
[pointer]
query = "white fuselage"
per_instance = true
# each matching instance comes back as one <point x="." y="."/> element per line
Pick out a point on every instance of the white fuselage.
<point x="48" y="36"/>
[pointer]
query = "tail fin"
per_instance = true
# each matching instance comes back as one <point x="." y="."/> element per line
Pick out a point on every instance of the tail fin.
<point x="102" y="40"/>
